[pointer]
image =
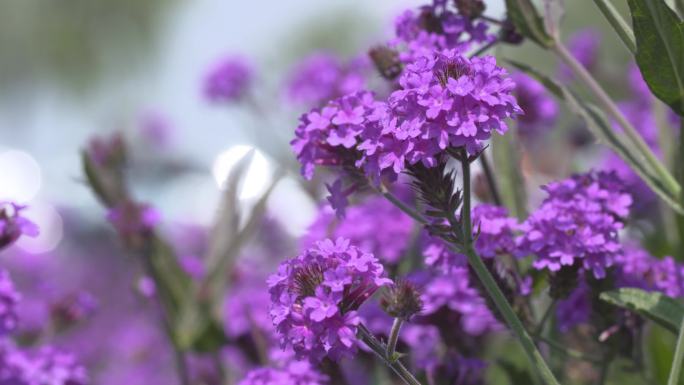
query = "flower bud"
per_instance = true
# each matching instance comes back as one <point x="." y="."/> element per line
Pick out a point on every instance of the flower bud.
<point x="470" y="8"/>
<point x="402" y="300"/>
<point x="564" y="281"/>
<point x="509" y="34"/>
<point x="387" y="62"/>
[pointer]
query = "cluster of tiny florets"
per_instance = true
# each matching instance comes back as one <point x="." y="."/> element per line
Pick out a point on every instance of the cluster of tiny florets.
<point x="577" y="224"/>
<point x="315" y="297"/>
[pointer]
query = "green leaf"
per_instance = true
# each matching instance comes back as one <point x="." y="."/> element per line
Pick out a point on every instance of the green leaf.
<point x="619" y="24"/>
<point x="660" y="50"/>
<point x="604" y="132"/>
<point x="527" y="21"/>
<point x="655" y="306"/>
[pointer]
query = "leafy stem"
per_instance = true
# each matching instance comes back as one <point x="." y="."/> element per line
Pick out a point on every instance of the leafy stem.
<point x="380" y="351"/>
<point x="611" y="108"/>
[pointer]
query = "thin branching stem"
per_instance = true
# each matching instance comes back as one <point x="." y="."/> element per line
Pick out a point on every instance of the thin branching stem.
<point x="676" y="368"/>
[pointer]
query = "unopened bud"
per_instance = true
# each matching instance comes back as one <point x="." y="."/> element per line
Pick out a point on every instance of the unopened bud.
<point x="402" y="300"/>
<point x="509" y="34"/>
<point x="387" y="62"/>
<point x="470" y="8"/>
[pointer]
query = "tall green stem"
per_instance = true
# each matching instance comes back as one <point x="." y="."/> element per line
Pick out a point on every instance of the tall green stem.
<point x="611" y="108"/>
<point x="381" y="352"/>
<point x="394" y="337"/>
<point x="493" y="289"/>
<point x="676" y="368"/>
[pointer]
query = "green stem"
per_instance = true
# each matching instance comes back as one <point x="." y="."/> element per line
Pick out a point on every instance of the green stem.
<point x="678" y="356"/>
<point x="489" y="175"/>
<point x="547" y="314"/>
<point x="394" y="337"/>
<point x="380" y="351"/>
<point x="485" y="48"/>
<point x="611" y="108"/>
<point x="619" y="24"/>
<point x="401" y="205"/>
<point x="493" y="289"/>
<point x="569" y="352"/>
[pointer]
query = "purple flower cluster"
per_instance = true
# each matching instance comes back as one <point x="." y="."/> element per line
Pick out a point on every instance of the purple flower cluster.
<point x="435" y="27"/>
<point x="322" y="76"/>
<point x="638" y="268"/>
<point x="13" y="225"/>
<point x="539" y="108"/>
<point x="295" y="373"/>
<point x="46" y="367"/>
<point x="577" y="223"/>
<point x="361" y="225"/>
<point x="446" y="100"/>
<point x="328" y="136"/>
<point x="315" y="297"/>
<point x="8" y="302"/>
<point x="228" y="80"/>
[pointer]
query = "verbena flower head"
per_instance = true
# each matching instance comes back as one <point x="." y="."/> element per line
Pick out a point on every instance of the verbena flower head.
<point x="446" y="100"/>
<point x="294" y="373"/>
<point x="13" y="225"/>
<point x="361" y="224"/>
<point x="436" y="27"/>
<point x="539" y="108"/>
<point x="494" y="230"/>
<point x="228" y="80"/>
<point x="132" y="219"/>
<point x="323" y="76"/>
<point x="637" y="268"/>
<point x="8" y="302"/>
<point x="577" y="224"/>
<point x="328" y="136"/>
<point x="315" y="297"/>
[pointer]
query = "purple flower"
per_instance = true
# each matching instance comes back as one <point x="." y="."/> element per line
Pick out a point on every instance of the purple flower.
<point x="106" y="151"/>
<point x="577" y="223"/>
<point x="315" y="297"/>
<point x="637" y="268"/>
<point x="46" y="367"/>
<point x="228" y="80"/>
<point x="446" y="100"/>
<point x="584" y="46"/>
<point x="13" y="225"/>
<point x="8" y="302"/>
<point x="294" y="373"/>
<point x="374" y="225"/>
<point x="328" y="136"/>
<point x="322" y="76"/>
<point x="575" y="309"/>
<point x="436" y="27"/>
<point x="539" y="108"/>
<point x="131" y="219"/>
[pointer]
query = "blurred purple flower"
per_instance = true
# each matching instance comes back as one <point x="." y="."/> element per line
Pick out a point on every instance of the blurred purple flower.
<point x="637" y="268"/>
<point x="539" y="108"/>
<point x="228" y="80"/>
<point x="131" y="219"/>
<point x="374" y="225"/>
<point x="8" y="302"/>
<point x="294" y="373"/>
<point x="584" y="45"/>
<point x="315" y="297"/>
<point x="577" y="223"/>
<point x="45" y="367"/>
<point x="13" y="225"/>
<point x="322" y="76"/>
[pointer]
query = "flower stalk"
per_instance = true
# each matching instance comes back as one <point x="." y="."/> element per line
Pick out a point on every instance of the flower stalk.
<point x="394" y="337"/>
<point x="380" y="351"/>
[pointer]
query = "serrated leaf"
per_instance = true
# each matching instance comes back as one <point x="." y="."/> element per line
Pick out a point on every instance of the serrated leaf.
<point x="655" y="306"/>
<point x="528" y="22"/>
<point x="660" y="50"/>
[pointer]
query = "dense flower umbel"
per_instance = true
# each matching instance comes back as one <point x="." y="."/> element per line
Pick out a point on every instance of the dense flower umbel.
<point x="446" y="100"/>
<point x="328" y="136"/>
<point x="8" y="302"/>
<point x="322" y="76"/>
<point x="361" y="226"/>
<point x="315" y="297"/>
<point x="539" y="108"/>
<point x="228" y="80"/>
<point x="577" y="224"/>
<point x="295" y="373"/>
<point x="13" y="225"/>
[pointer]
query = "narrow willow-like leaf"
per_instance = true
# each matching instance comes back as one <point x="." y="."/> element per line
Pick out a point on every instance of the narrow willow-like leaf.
<point x="619" y="24"/>
<point x="604" y="132"/>
<point x="655" y="306"/>
<point x="528" y="21"/>
<point x="660" y="50"/>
